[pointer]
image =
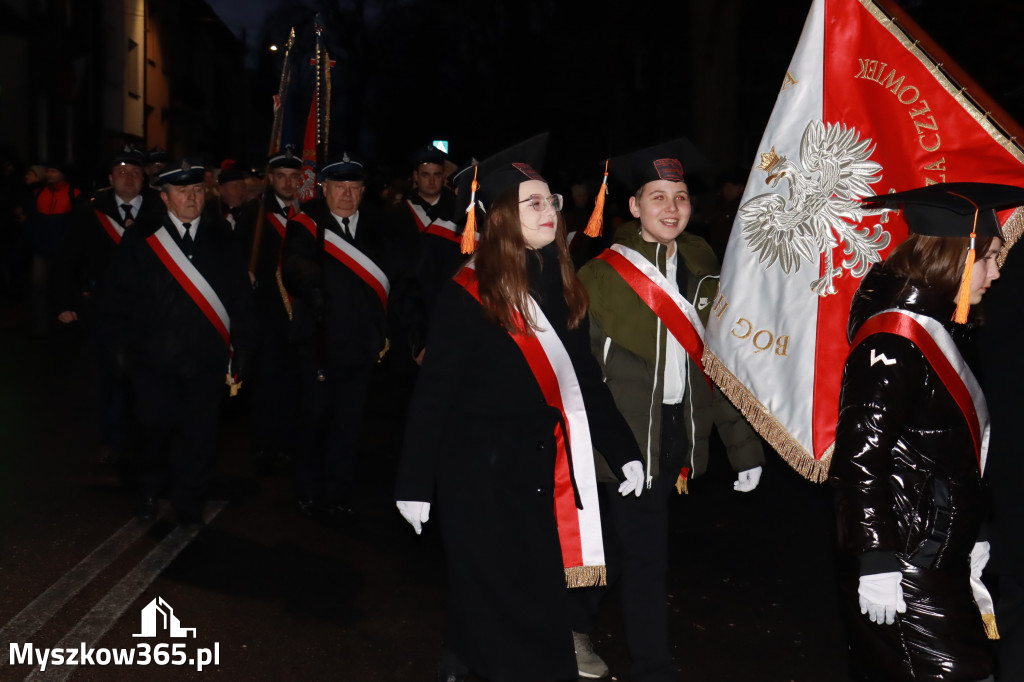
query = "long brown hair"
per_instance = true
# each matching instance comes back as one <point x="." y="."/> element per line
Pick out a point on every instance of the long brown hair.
<point x="501" y="268"/>
<point x="935" y="262"/>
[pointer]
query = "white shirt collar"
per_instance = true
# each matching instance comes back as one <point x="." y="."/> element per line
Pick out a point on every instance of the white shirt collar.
<point x="181" y="227"/>
<point x="353" y="220"/>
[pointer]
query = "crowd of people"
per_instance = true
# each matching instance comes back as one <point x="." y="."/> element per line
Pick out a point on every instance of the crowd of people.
<point x="559" y="396"/>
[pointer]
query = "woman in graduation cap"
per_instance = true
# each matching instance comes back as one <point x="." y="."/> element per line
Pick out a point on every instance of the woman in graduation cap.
<point x="911" y="443"/>
<point x="498" y="439"/>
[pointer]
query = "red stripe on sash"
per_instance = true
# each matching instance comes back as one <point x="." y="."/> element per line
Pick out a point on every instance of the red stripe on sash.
<point x="346" y="260"/>
<point x="566" y="514"/>
<point x="108" y="226"/>
<point x="910" y="329"/>
<point x="278" y="222"/>
<point x="660" y="303"/>
<point x="189" y="288"/>
<point x="443" y="232"/>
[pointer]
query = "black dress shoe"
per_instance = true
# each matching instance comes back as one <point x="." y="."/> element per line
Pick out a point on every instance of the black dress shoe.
<point x="306" y="507"/>
<point x="148" y="508"/>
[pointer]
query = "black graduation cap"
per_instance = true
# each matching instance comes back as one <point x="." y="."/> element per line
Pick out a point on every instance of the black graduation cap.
<point x="428" y="154"/>
<point x="495" y="174"/>
<point x="344" y="169"/>
<point x="507" y="168"/>
<point x="664" y="161"/>
<point x="129" y="156"/>
<point x="286" y="158"/>
<point x="184" y="172"/>
<point x="948" y="209"/>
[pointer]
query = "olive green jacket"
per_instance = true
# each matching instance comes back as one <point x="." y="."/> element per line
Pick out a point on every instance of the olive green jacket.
<point x="629" y="340"/>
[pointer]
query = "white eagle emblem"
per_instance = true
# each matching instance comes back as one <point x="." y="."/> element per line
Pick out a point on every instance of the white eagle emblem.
<point x="822" y="209"/>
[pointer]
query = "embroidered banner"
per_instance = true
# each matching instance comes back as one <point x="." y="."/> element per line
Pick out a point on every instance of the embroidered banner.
<point x="862" y="110"/>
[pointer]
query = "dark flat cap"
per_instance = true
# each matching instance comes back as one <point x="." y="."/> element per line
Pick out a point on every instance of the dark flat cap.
<point x="286" y="158"/>
<point x="343" y="169"/>
<point x="184" y="172"/>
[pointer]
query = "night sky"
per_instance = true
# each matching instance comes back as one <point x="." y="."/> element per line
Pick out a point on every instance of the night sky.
<point x="603" y="77"/>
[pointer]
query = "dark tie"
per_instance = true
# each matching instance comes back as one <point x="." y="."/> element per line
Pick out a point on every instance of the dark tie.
<point x="127" y="208"/>
<point x="344" y="229"/>
<point x="186" y="241"/>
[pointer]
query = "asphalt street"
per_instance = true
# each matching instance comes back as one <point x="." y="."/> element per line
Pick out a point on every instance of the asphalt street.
<point x="273" y="595"/>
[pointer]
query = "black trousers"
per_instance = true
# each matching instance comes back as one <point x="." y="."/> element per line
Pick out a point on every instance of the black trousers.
<point x="636" y="550"/>
<point x="1010" y="621"/>
<point x="275" y="388"/>
<point x="331" y="422"/>
<point x="177" y="420"/>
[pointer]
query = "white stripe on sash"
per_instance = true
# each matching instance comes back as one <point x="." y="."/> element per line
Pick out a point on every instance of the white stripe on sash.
<point x="652" y="273"/>
<point x="425" y="221"/>
<point x="349" y="249"/>
<point x="194" y="276"/>
<point x="948" y="347"/>
<point x="582" y="449"/>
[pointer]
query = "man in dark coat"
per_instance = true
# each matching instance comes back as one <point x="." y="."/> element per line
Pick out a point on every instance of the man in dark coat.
<point x="336" y="264"/>
<point x="274" y="383"/>
<point x="426" y="223"/>
<point x="86" y="252"/>
<point x="178" y="307"/>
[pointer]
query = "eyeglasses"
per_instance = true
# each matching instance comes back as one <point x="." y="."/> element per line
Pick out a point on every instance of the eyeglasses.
<point x="539" y="203"/>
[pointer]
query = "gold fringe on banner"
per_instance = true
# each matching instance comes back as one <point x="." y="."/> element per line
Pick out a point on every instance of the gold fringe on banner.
<point x="989" y="619"/>
<point x="586" y="576"/>
<point x="1011" y="230"/>
<point x="765" y="423"/>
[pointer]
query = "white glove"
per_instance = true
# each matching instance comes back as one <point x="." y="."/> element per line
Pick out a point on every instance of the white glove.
<point x="416" y="513"/>
<point x="747" y="480"/>
<point x="634" y="473"/>
<point x="881" y="596"/>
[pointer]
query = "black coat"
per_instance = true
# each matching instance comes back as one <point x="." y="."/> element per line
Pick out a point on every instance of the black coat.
<point x="154" y="326"/>
<point x="268" y="252"/>
<point x="908" y="498"/>
<point x="480" y="442"/>
<point x="87" y="248"/>
<point x="333" y="307"/>
<point x="431" y="260"/>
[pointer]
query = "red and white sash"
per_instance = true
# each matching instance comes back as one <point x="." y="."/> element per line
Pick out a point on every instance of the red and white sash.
<point x="675" y="312"/>
<point x="941" y="352"/>
<point x="110" y="226"/>
<point x="278" y="221"/>
<point x="579" y="529"/>
<point x="192" y="281"/>
<point x="355" y="260"/>
<point x="438" y="227"/>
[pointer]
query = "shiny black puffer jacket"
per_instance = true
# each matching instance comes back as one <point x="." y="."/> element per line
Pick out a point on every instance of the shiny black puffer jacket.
<point x="908" y="497"/>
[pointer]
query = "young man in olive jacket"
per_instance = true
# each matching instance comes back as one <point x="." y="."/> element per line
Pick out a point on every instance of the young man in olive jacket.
<point x="651" y="363"/>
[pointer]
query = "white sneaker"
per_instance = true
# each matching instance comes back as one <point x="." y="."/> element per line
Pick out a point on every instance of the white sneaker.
<point x="588" y="664"/>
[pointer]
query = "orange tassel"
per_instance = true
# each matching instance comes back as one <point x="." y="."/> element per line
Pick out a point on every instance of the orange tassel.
<point x="963" y="299"/>
<point x="597" y="217"/>
<point x="469" y="234"/>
